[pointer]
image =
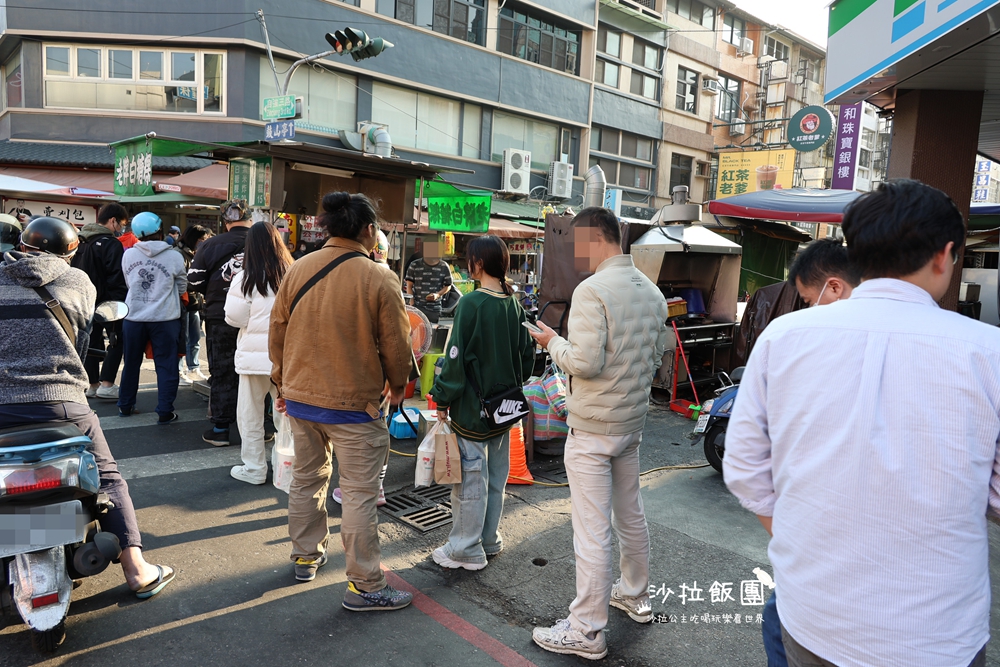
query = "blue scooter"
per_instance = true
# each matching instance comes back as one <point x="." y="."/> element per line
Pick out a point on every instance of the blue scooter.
<point x="714" y="419"/>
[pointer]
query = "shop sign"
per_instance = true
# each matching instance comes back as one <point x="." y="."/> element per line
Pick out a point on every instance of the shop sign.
<point x="250" y="180"/>
<point x="810" y="128"/>
<point x="983" y="166"/>
<point x="845" y="161"/>
<point x="23" y="209"/>
<point x="753" y="171"/>
<point x="981" y="194"/>
<point x="466" y="215"/>
<point x="134" y="168"/>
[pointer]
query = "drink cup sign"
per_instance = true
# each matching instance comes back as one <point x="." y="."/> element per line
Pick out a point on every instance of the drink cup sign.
<point x="767" y="176"/>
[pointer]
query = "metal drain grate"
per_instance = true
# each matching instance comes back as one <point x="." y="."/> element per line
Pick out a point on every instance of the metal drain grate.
<point x="554" y="472"/>
<point x="425" y="508"/>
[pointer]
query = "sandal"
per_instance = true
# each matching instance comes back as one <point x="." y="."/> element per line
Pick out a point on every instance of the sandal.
<point x="154" y="587"/>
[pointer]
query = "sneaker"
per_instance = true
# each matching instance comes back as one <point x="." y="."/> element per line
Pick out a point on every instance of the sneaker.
<point x="442" y="559"/>
<point x="305" y="568"/>
<point x="562" y="638"/>
<point x="166" y="419"/>
<point x="240" y="473"/>
<point x="184" y="380"/>
<point x="638" y="609"/>
<point x="217" y="438"/>
<point x="339" y="499"/>
<point x="110" y="393"/>
<point x="196" y="375"/>
<point x="91" y="392"/>
<point x="387" y="599"/>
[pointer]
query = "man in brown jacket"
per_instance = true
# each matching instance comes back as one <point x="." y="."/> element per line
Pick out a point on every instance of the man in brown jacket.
<point x="338" y="345"/>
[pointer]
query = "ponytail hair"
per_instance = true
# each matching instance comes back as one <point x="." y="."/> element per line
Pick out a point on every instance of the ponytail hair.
<point x="491" y="255"/>
<point x="346" y="215"/>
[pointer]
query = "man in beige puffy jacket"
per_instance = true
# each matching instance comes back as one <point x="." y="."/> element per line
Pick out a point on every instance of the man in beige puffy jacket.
<point x="617" y="335"/>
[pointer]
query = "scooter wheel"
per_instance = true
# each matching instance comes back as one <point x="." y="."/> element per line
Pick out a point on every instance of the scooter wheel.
<point x="47" y="641"/>
<point x="715" y="446"/>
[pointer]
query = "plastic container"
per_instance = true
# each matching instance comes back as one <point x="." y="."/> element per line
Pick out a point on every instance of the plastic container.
<point x="677" y="307"/>
<point x="431" y="405"/>
<point x="411" y="389"/>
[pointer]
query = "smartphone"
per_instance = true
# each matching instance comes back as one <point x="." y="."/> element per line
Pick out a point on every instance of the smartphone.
<point x="531" y="327"/>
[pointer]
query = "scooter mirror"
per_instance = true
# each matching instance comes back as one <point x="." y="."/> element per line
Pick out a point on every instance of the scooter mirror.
<point x="111" y="311"/>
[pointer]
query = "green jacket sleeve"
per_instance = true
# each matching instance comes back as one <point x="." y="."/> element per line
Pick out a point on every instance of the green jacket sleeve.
<point x="450" y="384"/>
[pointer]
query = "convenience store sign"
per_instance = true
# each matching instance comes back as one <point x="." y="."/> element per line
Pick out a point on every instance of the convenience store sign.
<point x="888" y="31"/>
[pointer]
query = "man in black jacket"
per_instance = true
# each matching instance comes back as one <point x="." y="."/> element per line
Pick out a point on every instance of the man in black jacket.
<point x="100" y="257"/>
<point x="218" y="259"/>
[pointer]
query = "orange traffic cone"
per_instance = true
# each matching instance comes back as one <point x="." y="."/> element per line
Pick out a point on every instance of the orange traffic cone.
<point x="519" y="473"/>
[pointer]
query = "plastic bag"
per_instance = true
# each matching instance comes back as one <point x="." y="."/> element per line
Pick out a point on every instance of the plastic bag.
<point x="283" y="453"/>
<point x="554" y="384"/>
<point x="425" y="458"/>
<point x="548" y="424"/>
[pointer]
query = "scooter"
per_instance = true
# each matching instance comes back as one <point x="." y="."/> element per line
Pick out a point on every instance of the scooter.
<point x="714" y="419"/>
<point x="50" y="502"/>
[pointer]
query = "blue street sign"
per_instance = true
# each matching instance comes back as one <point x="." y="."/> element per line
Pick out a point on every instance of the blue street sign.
<point x="278" y="130"/>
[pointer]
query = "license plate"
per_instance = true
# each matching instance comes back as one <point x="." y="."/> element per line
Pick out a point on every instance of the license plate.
<point x="702" y="424"/>
<point x="24" y="529"/>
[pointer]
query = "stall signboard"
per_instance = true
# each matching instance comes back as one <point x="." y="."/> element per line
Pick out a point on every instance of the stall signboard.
<point x="250" y="180"/>
<point x="846" y="150"/>
<point x="452" y="210"/>
<point x="278" y="108"/>
<point x="23" y="209"/>
<point x="752" y="171"/>
<point x="810" y="128"/>
<point x="134" y="168"/>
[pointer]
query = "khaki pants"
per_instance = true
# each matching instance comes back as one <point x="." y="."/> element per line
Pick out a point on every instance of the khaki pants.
<point x="361" y="450"/>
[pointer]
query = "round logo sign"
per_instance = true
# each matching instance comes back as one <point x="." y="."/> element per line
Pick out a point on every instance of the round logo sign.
<point x="810" y="128"/>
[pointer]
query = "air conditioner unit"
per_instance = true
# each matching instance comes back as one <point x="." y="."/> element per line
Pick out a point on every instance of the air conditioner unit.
<point x="738" y="128"/>
<point x="560" y="180"/>
<point x="710" y="86"/>
<point x="746" y="47"/>
<point x="516" y="171"/>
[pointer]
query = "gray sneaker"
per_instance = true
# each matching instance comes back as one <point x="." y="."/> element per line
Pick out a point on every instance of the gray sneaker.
<point x="562" y="638"/>
<point x="387" y="599"/>
<point x="638" y="609"/>
<point x="305" y="568"/>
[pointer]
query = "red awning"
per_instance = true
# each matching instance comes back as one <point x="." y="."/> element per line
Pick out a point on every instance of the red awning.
<point x="211" y="182"/>
<point x="794" y="205"/>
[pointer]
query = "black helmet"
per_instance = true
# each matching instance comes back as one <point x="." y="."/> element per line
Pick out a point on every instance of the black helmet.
<point x="52" y="235"/>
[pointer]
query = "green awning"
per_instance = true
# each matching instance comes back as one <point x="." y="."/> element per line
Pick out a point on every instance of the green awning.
<point x="134" y="160"/>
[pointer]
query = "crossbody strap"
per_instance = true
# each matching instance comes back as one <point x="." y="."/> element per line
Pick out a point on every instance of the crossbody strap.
<point x="57" y="311"/>
<point x="322" y="273"/>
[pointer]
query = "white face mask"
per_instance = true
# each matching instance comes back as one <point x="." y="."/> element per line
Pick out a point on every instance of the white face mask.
<point x="820" y="297"/>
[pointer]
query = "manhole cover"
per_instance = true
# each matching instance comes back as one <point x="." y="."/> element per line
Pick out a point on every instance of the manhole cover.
<point x="554" y="472"/>
<point x="425" y="508"/>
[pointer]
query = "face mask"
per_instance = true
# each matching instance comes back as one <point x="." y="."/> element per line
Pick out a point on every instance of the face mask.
<point x="820" y="297"/>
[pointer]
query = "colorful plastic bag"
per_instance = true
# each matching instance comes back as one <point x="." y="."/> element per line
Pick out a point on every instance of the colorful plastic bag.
<point x="548" y="424"/>
<point x="554" y="384"/>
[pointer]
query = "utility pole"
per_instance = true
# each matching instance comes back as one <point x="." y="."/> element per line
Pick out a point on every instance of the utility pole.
<point x="270" y="56"/>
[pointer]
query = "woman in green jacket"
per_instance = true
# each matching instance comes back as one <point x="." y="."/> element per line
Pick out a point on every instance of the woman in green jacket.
<point x="489" y="344"/>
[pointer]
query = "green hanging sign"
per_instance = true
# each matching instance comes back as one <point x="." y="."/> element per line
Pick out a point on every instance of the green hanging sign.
<point x="452" y="210"/>
<point x="134" y="168"/>
<point x="250" y="180"/>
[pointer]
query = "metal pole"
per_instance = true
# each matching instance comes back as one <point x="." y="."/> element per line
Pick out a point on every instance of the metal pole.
<point x="302" y="61"/>
<point x="270" y="56"/>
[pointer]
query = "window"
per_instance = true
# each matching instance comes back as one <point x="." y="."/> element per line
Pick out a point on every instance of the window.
<point x="510" y="131"/>
<point x="609" y="42"/>
<point x="128" y="79"/>
<point x="646" y="55"/>
<point x="645" y="85"/>
<point x="680" y="170"/>
<point x="634" y="146"/>
<point x="462" y="19"/>
<point x="812" y="69"/>
<point x="867" y="138"/>
<point x="865" y="158"/>
<point x="606" y="73"/>
<point x="772" y="47"/>
<point x="693" y="11"/>
<point x="687" y="90"/>
<point x="12" y="79"/>
<point x="733" y="29"/>
<point x="533" y="39"/>
<point x="330" y="100"/>
<point x="728" y="105"/>
<point x="472" y="130"/>
<point x="624" y="153"/>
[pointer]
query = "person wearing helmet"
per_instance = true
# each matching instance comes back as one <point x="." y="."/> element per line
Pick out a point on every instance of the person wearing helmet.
<point x="44" y="380"/>
<point x="218" y="259"/>
<point x="100" y="257"/>
<point x="156" y="280"/>
<point x="10" y="232"/>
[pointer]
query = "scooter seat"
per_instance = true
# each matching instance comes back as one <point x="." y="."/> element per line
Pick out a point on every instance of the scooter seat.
<point x="37" y="434"/>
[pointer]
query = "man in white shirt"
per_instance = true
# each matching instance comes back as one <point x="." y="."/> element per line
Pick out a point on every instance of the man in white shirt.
<point x="867" y="433"/>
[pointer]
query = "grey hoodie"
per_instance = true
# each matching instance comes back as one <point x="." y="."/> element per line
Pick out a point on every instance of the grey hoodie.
<point x="156" y="279"/>
<point x="38" y="362"/>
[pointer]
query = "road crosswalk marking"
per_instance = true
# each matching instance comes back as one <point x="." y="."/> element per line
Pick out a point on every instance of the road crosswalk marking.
<point x="179" y="462"/>
<point x="114" y="422"/>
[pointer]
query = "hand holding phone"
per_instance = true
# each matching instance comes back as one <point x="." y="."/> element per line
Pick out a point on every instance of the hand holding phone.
<point x="531" y="327"/>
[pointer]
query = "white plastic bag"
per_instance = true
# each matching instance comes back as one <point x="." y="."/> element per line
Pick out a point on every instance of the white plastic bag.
<point x="283" y="454"/>
<point x="425" y="458"/>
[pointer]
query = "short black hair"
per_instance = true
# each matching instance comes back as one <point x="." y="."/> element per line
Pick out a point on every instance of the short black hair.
<point x="821" y="260"/>
<point x="895" y="230"/>
<point x="345" y="215"/>
<point x="112" y="210"/>
<point x="601" y="219"/>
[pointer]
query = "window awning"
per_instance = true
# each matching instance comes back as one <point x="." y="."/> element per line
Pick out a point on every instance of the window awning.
<point x="211" y="182"/>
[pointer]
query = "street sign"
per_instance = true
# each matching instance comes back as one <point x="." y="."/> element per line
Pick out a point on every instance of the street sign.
<point x="278" y="130"/>
<point x="250" y="180"/>
<point x="277" y="108"/>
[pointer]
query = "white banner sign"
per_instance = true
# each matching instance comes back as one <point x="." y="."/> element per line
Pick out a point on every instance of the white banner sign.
<point x="23" y="209"/>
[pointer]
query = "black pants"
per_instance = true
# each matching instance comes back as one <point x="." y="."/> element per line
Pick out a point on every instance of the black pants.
<point x="225" y="383"/>
<point x="433" y="314"/>
<point x="108" y="371"/>
<point x="119" y="521"/>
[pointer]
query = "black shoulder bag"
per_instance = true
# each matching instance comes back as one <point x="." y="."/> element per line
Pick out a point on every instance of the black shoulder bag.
<point x="322" y="273"/>
<point x="502" y="409"/>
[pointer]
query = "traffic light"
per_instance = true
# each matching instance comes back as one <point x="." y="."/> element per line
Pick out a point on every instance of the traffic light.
<point x="357" y="43"/>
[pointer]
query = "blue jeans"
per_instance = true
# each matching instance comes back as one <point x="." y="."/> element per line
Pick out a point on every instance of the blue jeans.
<point x="771" y="630"/>
<point x="191" y="321"/>
<point x="477" y="503"/>
<point x="163" y="336"/>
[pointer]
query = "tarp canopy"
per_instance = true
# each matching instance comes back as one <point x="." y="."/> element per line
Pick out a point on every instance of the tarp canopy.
<point x="795" y="204"/>
<point x="211" y="182"/>
<point x="18" y="185"/>
<point x="81" y="178"/>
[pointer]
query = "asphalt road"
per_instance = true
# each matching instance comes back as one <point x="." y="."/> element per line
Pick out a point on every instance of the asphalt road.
<point x="235" y="600"/>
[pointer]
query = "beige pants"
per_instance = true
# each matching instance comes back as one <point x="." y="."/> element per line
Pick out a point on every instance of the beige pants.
<point x="361" y="451"/>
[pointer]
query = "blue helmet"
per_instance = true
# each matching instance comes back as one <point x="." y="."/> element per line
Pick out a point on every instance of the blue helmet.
<point x="146" y="224"/>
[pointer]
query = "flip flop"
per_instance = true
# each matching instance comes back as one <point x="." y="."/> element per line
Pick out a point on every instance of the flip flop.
<point x="154" y="587"/>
